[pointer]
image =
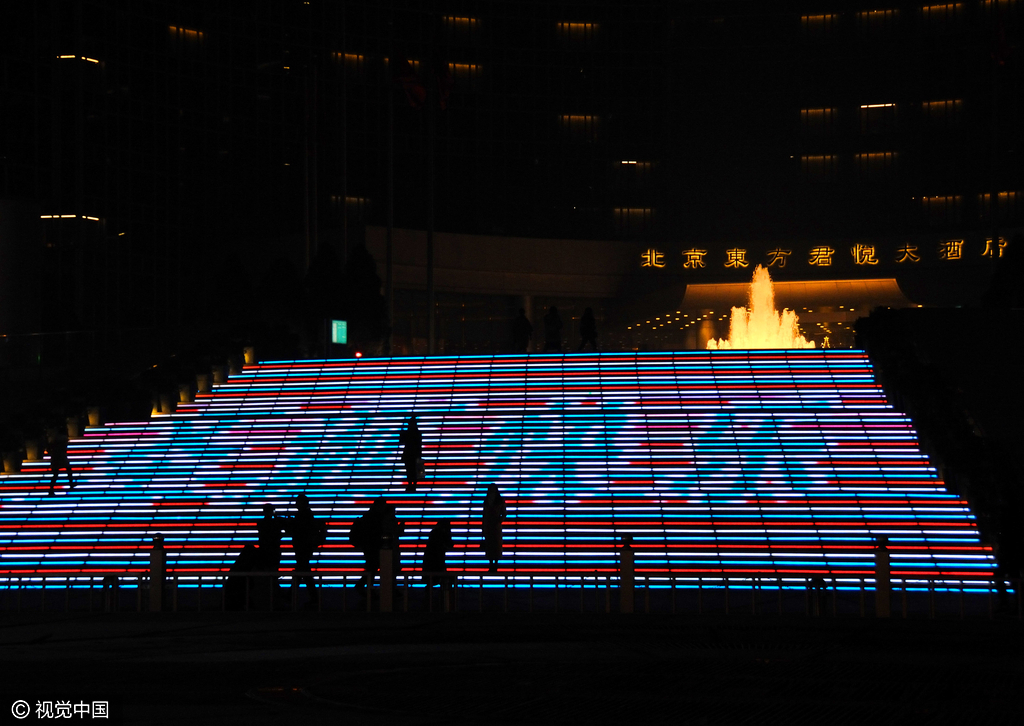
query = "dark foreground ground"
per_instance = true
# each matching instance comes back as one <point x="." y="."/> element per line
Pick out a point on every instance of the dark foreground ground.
<point x="518" y="668"/>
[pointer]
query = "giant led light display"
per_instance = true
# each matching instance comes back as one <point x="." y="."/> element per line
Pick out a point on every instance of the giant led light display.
<point x="760" y="467"/>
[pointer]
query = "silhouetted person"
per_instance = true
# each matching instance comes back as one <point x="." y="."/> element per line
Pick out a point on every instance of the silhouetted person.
<point x="365" y="536"/>
<point x="392" y="529"/>
<point x="411" y="441"/>
<point x="522" y="331"/>
<point x="236" y="588"/>
<point x="269" y="530"/>
<point x="552" y="331"/>
<point x="588" y="330"/>
<point x="308" y="534"/>
<point x="435" y="555"/>
<point x="57" y="446"/>
<point x="494" y="516"/>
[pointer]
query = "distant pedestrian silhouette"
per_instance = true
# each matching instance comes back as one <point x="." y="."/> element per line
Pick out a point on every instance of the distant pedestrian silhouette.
<point x="365" y="536"/>
<point x="435" y="556"/>
<point x="552" y="331"/>
<point x="308" y="533"/>
<point x="411" y="441"/>
<point x="391" y="531"/>
<point x="57" y="446"/>
<point x="522" y="332"/>
<point x="269" y="531"/>
<point x="493" y="518"/>
<point x="588" y="330"/>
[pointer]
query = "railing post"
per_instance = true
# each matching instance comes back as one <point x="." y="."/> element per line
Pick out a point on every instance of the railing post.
<point x="42" y="595"/>
<point x="199" y="592"/>
<point x="700" y="595"/>
<point x="626" y="568"/>
<point x="531" y="593"/>
<point x="779" y="583"/>
<point x="387" y="576"/>
<point x="504" y="594"/>
<point x="931" y="599"/>
<point x="673" y="582"/>
<point x="903" y="596"/>
<point x="647" y="594"/>
<point x="862" y="596"/>
<point x="67" y="594"/>
<point x="725" y="578"/>
<point x="157" y="573"/>
<point x="882" y="583"/>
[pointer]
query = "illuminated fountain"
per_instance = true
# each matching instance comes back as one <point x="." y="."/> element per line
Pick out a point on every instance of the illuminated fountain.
<point x="762" y="326"/>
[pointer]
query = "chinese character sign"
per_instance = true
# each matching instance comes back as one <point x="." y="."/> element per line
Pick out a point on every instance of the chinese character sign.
<point x="907" y="253"/>
<point x="990" y="249"/>
<point x="736" y="258"/>
<point x="821" y="256"/>
<point x="652" y="258"/>
<point x="778" y="256"/>
<point x="951" y="249"/>
<point x="863" y="254"/>
<point x="693" y="258"/>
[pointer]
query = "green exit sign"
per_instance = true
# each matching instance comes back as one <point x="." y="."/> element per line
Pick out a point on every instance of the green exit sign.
<point x="339" y="331"/>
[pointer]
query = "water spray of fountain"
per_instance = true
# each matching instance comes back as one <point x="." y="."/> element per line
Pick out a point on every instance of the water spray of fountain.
<point x="760" y="325"/>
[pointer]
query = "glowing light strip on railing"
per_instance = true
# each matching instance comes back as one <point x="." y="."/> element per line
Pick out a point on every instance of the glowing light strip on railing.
<point x="740" y="428"/>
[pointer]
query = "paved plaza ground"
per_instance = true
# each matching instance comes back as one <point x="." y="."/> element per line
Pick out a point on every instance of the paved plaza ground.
<point x="517" y="668"/>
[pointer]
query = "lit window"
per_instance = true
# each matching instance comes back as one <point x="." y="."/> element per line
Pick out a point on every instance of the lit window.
<point x="78" y="57"/>
<point x="875" y="163"/>
<point x="874" y="21"/>
<point x="353" y="62"/>
<point x="453" y="22"/>
<point x="466" y="75"/>
<point x="937" y="16"/>
<point x="631" y="176"/>
<point x="632" y="221"/>
<point x="820" y="167"/>
<point x="817" y="121"/>
<point x="942" y="114"/>
<point x="877" y="118"/>
<point x="940" y="211"/>
<point x="1008" y="206"/>
<point x="818" y="26"/>
<point x="584" y="129"/>
<point x="185" y="35"/>
<point x="578" y="35"/>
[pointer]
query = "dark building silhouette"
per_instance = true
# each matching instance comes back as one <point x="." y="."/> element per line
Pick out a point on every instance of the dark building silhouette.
<point x="162" y="161"/>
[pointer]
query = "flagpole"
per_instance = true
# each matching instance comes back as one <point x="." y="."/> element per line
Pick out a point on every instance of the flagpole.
<point x="431" y="100"/>
<point x="389" y="287"/>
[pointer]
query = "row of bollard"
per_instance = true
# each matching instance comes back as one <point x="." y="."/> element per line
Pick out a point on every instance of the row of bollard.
<point x="816" y="593"/>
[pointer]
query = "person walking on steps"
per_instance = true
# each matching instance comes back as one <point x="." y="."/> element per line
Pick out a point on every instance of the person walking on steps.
<point x="588" y="330"/>
<point x="493" y="518"/>
<point x="552" y="331"/>
<point x="411" y="441"/>
<point x="308" y="534"/>
<point x="57" y="446"/>
<point x="522" y="331"/>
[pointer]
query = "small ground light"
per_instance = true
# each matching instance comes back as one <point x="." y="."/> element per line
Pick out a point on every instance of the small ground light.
<point x="359" y="354"/>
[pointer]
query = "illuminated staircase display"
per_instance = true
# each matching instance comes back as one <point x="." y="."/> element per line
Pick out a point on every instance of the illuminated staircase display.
<point x="766" y="467"/>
